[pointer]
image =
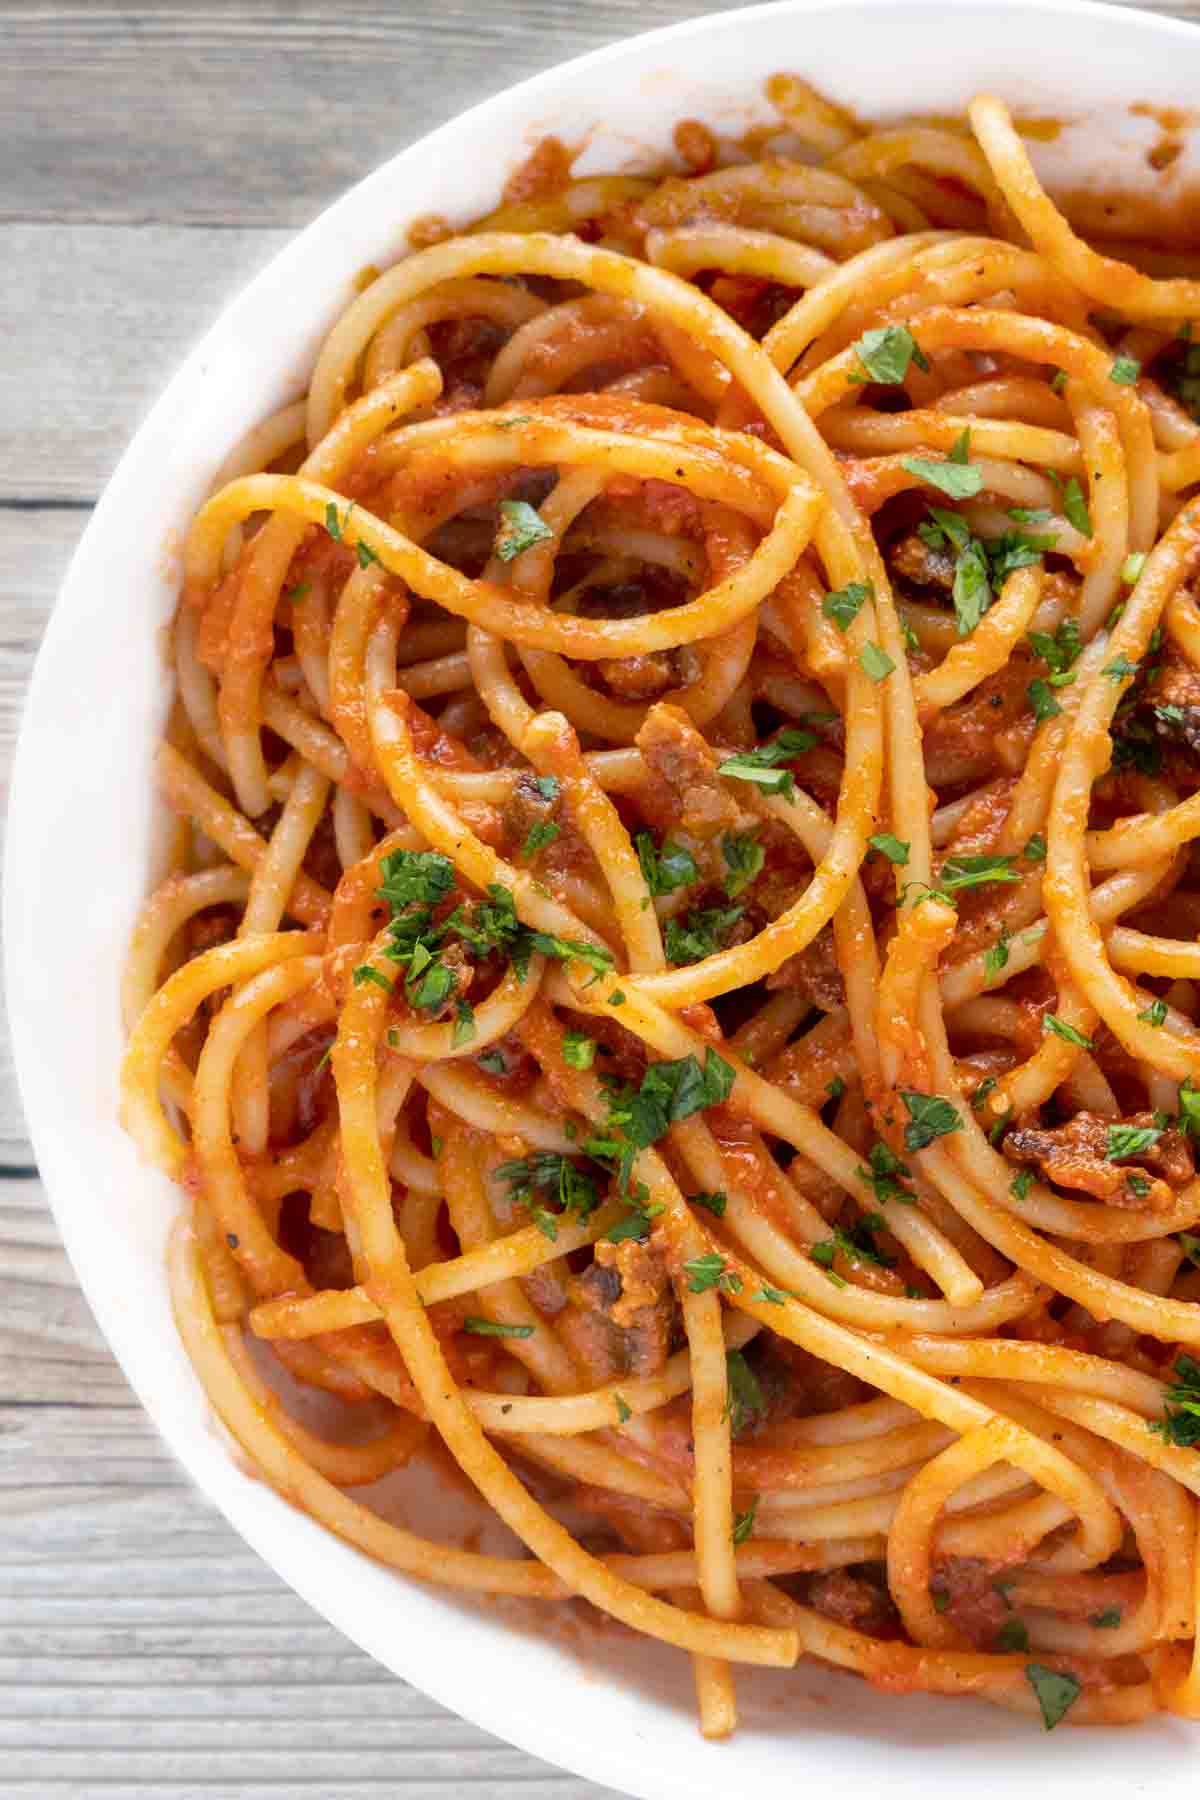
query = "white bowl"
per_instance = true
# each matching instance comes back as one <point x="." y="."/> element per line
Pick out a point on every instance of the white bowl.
<point x="80" y="844"/>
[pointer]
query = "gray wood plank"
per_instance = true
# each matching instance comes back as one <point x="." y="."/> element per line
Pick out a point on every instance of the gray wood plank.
<point x="348" y="85"/>
<point x="98" y="317"/>
<point x="35" y="545"/>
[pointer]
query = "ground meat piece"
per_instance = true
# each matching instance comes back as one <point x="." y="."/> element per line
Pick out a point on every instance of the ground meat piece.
<point x="623" y="1312"/>
<point x="814" y="970"/>
<point x="668" y="507"/>
<point x="642" y="1276"/>
<point x="917" y="562"/>
<point x="546" y="170"/>
<point x="545" y="1288"/>
<point x="639" y="677"/>
<point x="966" y="741"/>
<point x="684" y="772"/>
<point x="798" y="1384"/>
<point x="527" y="806"/>
<point x="980" y="825"/>
<point x="1076" y="1156"/>
<point x="697" y="146"/>
<point x="1178" y="684"/>
<point x="640" y="1526"/>
<point x="209" y="929"/>
<point x="973" y="1601"/>
<point x="854" y="1600"/>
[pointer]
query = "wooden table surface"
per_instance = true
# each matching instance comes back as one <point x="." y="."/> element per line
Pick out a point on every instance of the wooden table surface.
<point x="152" y="157"/>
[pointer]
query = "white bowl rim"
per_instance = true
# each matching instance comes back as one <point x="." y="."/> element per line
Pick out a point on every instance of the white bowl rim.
<point x="536" y="1729"/>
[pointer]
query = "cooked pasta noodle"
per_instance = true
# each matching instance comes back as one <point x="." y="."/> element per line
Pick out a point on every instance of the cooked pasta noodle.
<point x="678" y="972"/>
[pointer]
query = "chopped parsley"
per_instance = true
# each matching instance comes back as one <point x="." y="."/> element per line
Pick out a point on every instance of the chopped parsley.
<point x="624" y="1410"/>
<point x="1190" y="1245"/>
<point x="824" y="1255"/>
<point x="1073" y="503"/>
<point x="995" y="957"/>
<point x="1120" y="669"/>
<point x="886" y="353"/>
<point x="929" y="1116"/>
<point x="521" y="527"/>
<point x="566" y="950"/>
<point x="875" y="662"/>
<point x="1184" y="378"/>
<point x="1035" y="849"/>
<point x="1021" y="1183"/>
<point x="858" y="1244"/>
<point x="1155" y="1014"/>
<point x="635" y="1224"/>
<point x="579" y="1050"/>
<point x="883" y="1175"/>
<point x="1125" y="370"/>
<point x="743" y="1524"/>
<point x="413" y="883"/>
<point x="1180" y="1423"/>
<point x="975" y="871"/>
<point x="711" y="1271"/>
<point x="835" y="1088"/>
<point x="366" y="556"/>
<point x="843" y="605"/>
<point x="541" y="833"/>
<point x="972" y="593"/>
<point x="1189" y="1109"/>
<point x="744" y="858"/>
<point x="894" y="848"/>
<point x="489" y="1328"/>
<point x="1060" y="1028"/>
<point x="1056" y="1692"/>
<point x="1108" y="1620"/>
<point x="493" y="1061"/>
<point x="700" y="933"/>
<point x="546" y="1175"/>
<point x="365" y="973"/>
<point x="420" y="877"/>
<point x="1130" y="1140"/>
<point x="1013" y="1635"/>
<point x="981" y="567"/>
<point x="1041" y="699"/>
<point x="761" y="766"/>
<point x="773" y="1296"/>
<point x="714" y="1203"/>
<point x="464" y="1024"/>
<point x="956" y="476"/>
<point x="744" y="1395"/>
<point x="1131" y="568"/>
<point x="1059" y="651"/>
<point x="669" y="1092"/>
<point x="665" y="868"/>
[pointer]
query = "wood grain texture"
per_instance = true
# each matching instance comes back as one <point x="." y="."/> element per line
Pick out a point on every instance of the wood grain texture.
<point x="152" y="157"/>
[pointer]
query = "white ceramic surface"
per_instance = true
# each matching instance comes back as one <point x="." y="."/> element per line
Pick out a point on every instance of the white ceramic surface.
<point x="81" y="831"/>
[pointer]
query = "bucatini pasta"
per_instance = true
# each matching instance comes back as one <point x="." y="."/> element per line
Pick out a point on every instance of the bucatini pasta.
<point x="679" y="968"/>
